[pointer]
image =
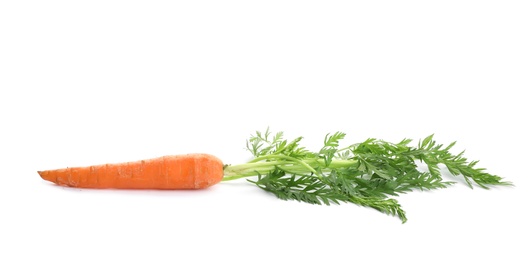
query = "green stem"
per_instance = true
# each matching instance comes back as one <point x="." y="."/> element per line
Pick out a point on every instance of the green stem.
<point x="288" y="164"/>
<point x="243" y="175"/>
<point x="283" y="157"/>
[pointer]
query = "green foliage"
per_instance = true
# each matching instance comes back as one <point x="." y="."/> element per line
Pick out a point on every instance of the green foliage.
<point x="315" y="190"/>
<point x="365" y="173"/>
<point x="262" y="144"/>
<point x="330" y="147"/>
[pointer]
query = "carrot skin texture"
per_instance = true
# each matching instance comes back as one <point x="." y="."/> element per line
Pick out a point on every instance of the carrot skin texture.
<point x="172" y="172"/>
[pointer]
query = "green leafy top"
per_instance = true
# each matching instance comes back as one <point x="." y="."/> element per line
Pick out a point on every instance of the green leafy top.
<point x="365" y="173"/>
<point x="264" y="144"/>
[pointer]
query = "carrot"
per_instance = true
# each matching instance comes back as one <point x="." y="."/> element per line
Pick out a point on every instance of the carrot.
<point x="190" y="171"/>
<point x="365" y="173"/>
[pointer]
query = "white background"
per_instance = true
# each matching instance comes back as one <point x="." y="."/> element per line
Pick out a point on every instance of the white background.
<point x="109" y="81"/>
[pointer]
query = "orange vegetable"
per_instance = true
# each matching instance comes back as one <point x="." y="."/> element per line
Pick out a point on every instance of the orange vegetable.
<point x="190" y="171"/>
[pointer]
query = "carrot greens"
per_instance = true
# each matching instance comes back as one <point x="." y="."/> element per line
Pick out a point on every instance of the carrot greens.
<point x="365" y="173"/>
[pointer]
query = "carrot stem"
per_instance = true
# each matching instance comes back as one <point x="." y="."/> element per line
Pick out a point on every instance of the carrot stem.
<point x="261" y="166"/>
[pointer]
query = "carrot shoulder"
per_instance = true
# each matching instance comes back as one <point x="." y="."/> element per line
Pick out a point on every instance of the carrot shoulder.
<point x="190" y="171"/>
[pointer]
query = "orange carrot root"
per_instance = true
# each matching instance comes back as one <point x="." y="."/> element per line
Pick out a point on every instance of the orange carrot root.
<point x="190" y="171"/>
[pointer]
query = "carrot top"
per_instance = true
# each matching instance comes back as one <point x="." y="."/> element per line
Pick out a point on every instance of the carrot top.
<point x="365" y="173"/>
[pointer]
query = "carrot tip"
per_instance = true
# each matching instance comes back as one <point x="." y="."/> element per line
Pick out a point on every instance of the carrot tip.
<point x="42" y="174"/>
